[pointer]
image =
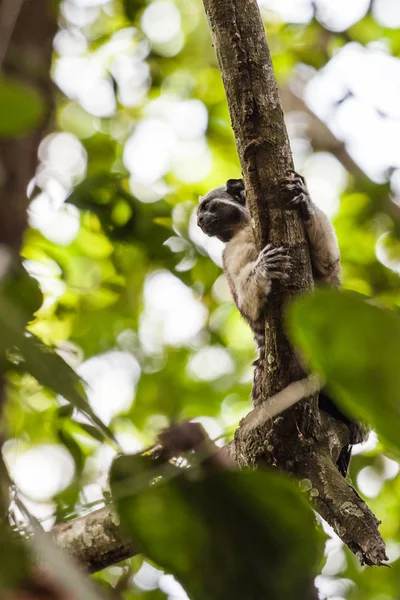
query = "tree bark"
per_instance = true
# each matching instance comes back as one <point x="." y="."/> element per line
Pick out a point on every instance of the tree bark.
<point x="94" y="541"/>
<point x="265" y="156"/>
<point x="301" y="440"/>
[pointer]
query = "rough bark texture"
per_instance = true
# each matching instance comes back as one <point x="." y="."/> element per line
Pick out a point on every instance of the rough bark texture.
<point x="95" y="541"/>
<point x="302" y="440"/>
<point x="265" y="156"/>
<point x="312" y="460"/>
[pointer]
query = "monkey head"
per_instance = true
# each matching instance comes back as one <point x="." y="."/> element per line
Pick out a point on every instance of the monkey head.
<point x="223" y="211"/>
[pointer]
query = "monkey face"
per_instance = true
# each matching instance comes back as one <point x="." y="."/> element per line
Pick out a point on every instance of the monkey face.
<point x="222" y="212"/>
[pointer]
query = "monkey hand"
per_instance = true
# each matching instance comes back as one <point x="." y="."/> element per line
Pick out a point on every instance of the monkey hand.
<point x="296" y="194"/>
<point x="273" y="262"/>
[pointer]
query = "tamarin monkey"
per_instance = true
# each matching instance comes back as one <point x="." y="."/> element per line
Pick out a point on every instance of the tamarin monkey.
<point x="223" y="213"/>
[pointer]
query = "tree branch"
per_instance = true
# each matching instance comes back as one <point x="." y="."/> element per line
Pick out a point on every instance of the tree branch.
<point x="28" y="60"/>
<point x="95" y="540"/>
<point x="265" y="156"/>
<point x="301" y="441"/>
<point x="263" y="414"/>
<point x="320" y="135"/>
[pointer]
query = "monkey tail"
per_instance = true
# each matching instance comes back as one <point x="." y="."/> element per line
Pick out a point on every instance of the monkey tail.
<point x="343" y="461"/>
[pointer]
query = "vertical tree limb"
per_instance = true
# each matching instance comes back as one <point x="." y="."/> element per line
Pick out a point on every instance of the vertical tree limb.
<point x="9" y="11"/>
<point x="301" y="441"/>
<point x="308" y="452"/>
<point x="265" y="156"/>
<point x="28" y="60"/>
<point x="26" y="46"/>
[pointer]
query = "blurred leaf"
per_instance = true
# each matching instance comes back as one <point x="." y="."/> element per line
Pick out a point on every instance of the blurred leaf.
<point x="99" y="189"/>
<point x="213" y="529"/>
<point x="105" y="196"/>
<point x="43" y="363"/>
<point x="101" y="150"/>
<point x="73" y="448"/>
<point x="92" y="431"/>
<point x="65" y="411"/>
<point x="356" y="347"/>
<point x="22" y="108"/>
<point x="164" y="222"/>
<point x="132" y="7"/>
<point x="23" y="291"/>
<point x="13" y="558"/>
<point x="52" y="371"/>
<point x="366" y="30"/>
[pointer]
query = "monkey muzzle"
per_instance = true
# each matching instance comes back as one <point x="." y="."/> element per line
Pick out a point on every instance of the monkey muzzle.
<point x="208" y="223"/>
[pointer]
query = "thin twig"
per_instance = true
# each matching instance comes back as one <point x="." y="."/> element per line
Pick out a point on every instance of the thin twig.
<point x="267" y="410"/>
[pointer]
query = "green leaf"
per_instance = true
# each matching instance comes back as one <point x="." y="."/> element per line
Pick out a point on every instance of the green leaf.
<point x="356" y="347"/>
<point x="73" y="448"/>
<point x="52" y="371"/>
<point x="164" y="222"/>
<point x="13" y="558"/>
<point x="44" y="363"/>
<point x="91" y="430"/>
<point x="132" y="7"/>
<point x="65" y="411"/>
<point x="226" y="535"/>
<point x="23" y="291"/>
<point x="22" y="108"/>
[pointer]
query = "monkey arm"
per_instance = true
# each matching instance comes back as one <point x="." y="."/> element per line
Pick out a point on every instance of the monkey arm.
<point x="253" y="284"/>
<point x="324" y="249"/>
<point x="250" y="273"/>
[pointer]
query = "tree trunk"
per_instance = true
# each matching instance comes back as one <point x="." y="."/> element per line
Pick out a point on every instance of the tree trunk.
<point x="28" y="60"/>
<point x="301" y="441"/>
<point x="266" y="159"/>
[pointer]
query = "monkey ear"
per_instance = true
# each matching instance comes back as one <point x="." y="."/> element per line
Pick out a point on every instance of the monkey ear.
<point x="235" y="187"/>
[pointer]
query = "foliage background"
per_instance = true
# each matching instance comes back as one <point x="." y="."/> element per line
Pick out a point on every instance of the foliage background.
<point x="133" y="295"/>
